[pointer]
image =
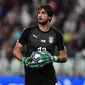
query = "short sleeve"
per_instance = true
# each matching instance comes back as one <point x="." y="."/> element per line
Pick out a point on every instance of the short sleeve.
<point x="23" y="37"/>
<point x="60" y="42"/>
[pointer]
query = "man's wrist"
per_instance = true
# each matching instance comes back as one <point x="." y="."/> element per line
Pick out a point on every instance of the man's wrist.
<point x="23" y="60"/>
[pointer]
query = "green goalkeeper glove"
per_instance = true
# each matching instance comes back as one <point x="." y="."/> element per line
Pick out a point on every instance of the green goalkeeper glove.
<point x="26" y="61"/>
<point x="47" y="55"/>
<point x="46" y="60"/>
<point x="29" y="62"/>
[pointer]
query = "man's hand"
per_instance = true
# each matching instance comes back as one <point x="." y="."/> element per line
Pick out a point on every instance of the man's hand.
<point x="26" y="61"/>
<point x="31" y="63"/>
<point x="39" y="59"/>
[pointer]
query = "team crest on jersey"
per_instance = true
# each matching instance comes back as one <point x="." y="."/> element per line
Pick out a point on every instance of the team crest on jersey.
<point x="51" y="39"/>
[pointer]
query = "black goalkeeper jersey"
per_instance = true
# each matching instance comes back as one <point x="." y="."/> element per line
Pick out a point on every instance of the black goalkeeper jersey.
<point x="35" y="39"/>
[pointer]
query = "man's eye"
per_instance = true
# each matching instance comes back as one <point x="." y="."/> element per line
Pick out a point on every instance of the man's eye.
<point x="43" y="12"/>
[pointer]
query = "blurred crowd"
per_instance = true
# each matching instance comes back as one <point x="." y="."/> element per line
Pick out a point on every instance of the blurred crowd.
<point x="69" y="19"/>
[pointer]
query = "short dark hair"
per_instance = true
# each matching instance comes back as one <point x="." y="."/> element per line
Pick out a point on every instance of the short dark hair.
<point x="48" y="9"/>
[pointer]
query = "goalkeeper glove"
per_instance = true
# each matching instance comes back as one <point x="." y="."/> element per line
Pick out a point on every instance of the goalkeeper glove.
<point x="29" y="63"/>
<point x="26" y="61"/>
<point x="55" y="58"/>
<point x="46" y="59"/>
<point x="47" y="55"/>
<point x="49" y="60"/>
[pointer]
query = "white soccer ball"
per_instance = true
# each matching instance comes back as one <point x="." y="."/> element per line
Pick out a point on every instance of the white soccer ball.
<point x="36" y="56"/>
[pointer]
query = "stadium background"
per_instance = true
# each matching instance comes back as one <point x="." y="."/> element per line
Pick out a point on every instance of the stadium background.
<point x="69" y="18"/>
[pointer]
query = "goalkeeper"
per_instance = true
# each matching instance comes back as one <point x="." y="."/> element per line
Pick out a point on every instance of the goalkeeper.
<point x="40" y="42"/>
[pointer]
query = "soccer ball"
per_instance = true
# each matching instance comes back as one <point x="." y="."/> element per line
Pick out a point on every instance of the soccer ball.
<point x="36" y="56"/>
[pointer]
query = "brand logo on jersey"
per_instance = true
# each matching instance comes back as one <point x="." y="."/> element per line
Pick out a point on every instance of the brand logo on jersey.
<point x="43" y="41"/>
<point x="51" y="39"/>
<point x="35" y="36"/>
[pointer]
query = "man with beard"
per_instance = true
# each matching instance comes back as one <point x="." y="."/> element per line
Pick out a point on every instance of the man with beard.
<point x="41" y="39"/>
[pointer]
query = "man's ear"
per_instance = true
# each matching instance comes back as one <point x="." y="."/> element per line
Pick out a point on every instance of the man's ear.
<point x="50" y="17"/>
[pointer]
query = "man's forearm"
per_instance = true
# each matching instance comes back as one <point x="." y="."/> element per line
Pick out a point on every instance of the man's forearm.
<point x="17" y="54"/>
<point x="17" y="51"/>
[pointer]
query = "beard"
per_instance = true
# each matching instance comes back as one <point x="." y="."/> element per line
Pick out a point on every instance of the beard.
<point x="43" y="23"/>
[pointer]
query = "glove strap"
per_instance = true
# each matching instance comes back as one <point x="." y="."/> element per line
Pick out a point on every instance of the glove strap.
<point x="55" y="58"/>
<point x="23" y="60"/>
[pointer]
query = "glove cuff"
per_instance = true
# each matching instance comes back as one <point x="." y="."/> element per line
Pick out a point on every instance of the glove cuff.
<point x="23" y="60"/>
<point x="55" y="58"/>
